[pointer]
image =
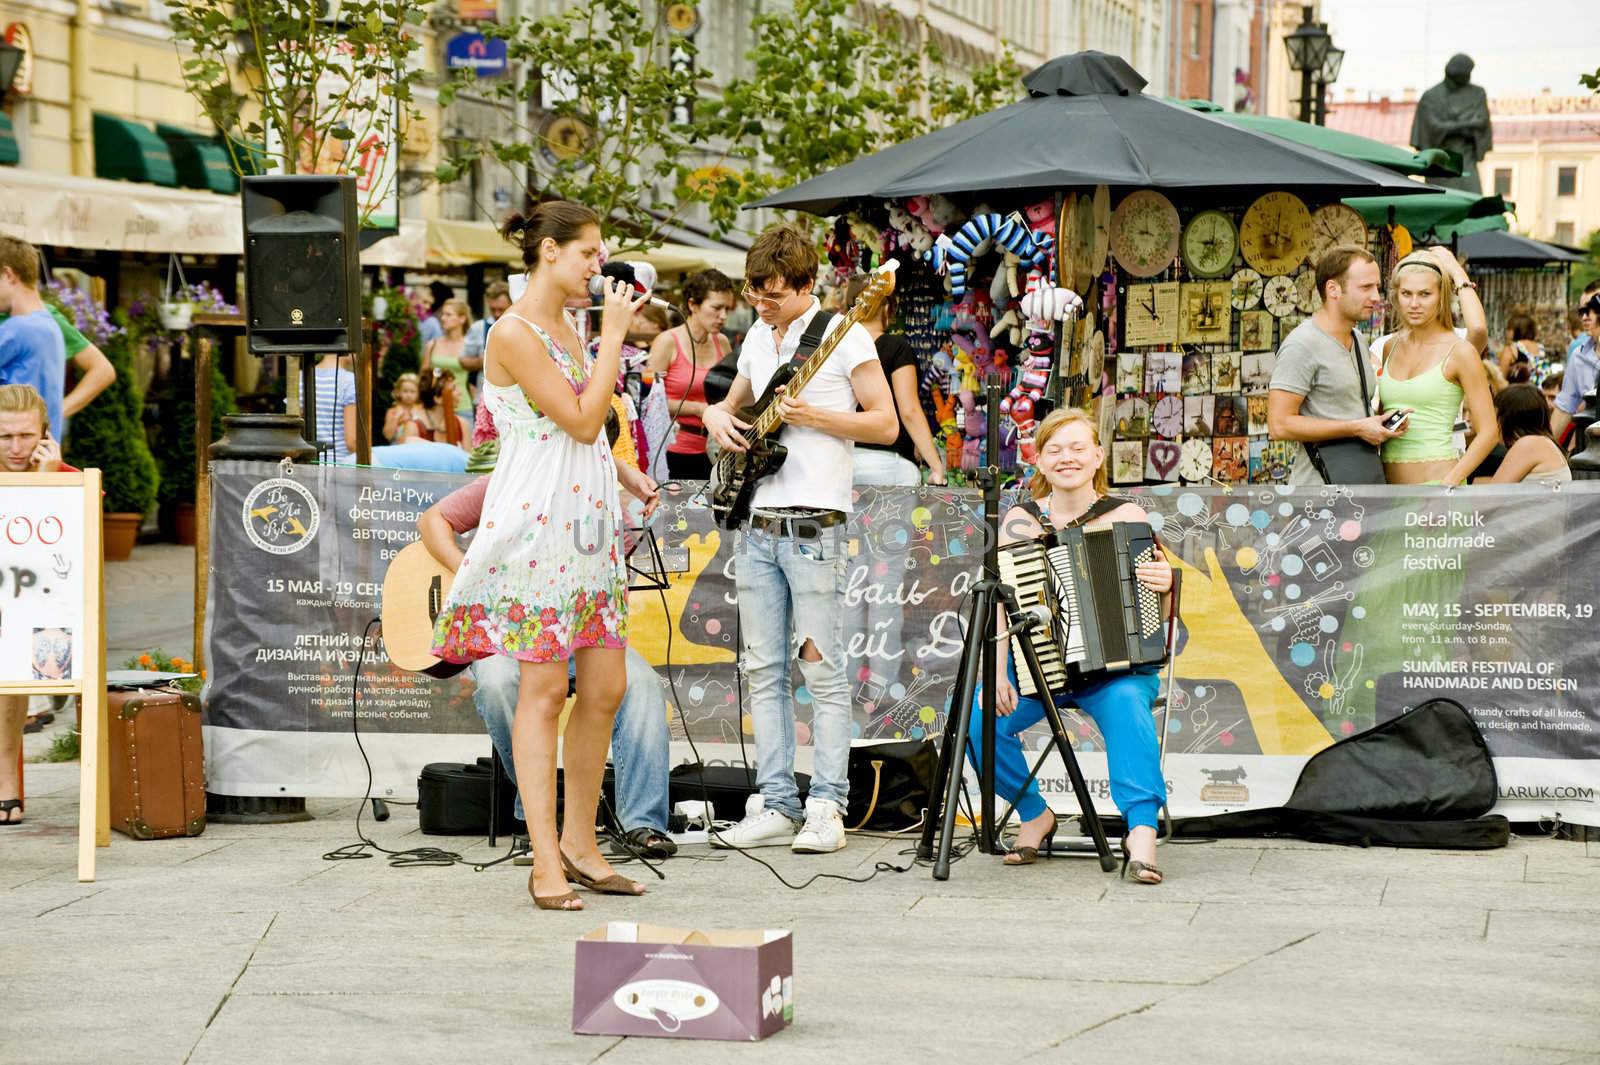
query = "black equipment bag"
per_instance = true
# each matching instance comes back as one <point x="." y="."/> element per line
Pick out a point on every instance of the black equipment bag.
<point x="890" y="784"/>
<point x="1423" y="779"/>
<point x="453" y="799"/>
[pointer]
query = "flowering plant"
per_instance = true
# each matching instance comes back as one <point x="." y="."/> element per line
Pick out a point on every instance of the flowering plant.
<point x="92" y="320"/>
<point x="157" y="662"/>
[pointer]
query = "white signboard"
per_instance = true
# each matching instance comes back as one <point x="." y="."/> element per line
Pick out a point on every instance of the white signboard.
<point x="41" y="585"/>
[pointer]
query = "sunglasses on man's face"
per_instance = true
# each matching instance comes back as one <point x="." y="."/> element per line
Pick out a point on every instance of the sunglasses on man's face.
<point x="756" y="299"/>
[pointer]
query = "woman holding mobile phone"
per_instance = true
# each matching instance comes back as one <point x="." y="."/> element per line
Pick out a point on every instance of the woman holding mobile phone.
<point x="1428" y="370"/>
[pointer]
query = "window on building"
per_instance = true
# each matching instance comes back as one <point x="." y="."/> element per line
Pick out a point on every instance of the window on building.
<point x="1564" y="233"/>
<point x="1196" y="17"/>
<point x="1566" y="181"/>
<point x="1502" y="181"/>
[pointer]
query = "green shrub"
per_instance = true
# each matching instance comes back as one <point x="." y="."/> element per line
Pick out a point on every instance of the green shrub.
<point x="108" y="435"/>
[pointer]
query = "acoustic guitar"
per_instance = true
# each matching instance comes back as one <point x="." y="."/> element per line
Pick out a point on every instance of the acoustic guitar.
<point x="414" y="591"/>
<point x="734" y="475"/>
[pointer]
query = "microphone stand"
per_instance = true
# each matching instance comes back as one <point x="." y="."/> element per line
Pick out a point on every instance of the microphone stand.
<point x="982" y="629"/>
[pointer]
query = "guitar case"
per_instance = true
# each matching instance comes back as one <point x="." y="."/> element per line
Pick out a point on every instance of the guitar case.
<point x="1424" y="779"/>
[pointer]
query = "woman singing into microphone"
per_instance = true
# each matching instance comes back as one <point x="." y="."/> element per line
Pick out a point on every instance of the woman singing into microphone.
<point x="544" y="577"/>
<point x="1069" y="489"/>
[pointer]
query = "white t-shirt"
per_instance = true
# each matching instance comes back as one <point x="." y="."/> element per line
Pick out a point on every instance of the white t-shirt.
<point x="818" y="470"/>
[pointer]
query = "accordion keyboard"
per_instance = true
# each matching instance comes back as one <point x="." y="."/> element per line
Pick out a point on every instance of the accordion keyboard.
<point x="1024" y="567"/>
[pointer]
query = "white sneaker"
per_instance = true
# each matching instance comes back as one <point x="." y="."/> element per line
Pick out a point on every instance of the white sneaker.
<point x="764" y="828"/>
<point x="823" y="831"/>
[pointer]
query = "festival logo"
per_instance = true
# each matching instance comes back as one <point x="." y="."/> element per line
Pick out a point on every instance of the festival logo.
<point x="280" y="516"/>
<point x="1225" y="786"/>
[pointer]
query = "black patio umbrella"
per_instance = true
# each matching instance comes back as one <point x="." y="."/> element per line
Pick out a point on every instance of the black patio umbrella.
<point x="1087" y="122"/>
<point x="1498" y="247"/>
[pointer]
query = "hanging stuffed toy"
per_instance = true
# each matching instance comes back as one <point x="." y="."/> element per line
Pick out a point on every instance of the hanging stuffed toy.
<point x="1041" y="217"/>
<point x="944" y="213"/>
<point x="1022" y="401"/>
<point x="1051" y="304"/>
<point x="844" y="253"/>
<point x="981" y="232"/>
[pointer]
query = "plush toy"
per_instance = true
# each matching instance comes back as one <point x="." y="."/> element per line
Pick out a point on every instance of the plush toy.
<point x="938" y="256"/>
<point x="844" y="254"/>
<point x="944" y="404"/>
<point x="981" y="232"/>
<point x="1041" y="217"/>
<point x="922" y="210"/>
<point x="943" y="212"/>
<point x="1021" y="402"/>
<point x="918" y="237"/>
<point x="1051" y="304"/>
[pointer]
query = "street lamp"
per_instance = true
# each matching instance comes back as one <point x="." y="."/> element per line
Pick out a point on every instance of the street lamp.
<point x="1328" y="75"/>
<point x="1308" y="50"/>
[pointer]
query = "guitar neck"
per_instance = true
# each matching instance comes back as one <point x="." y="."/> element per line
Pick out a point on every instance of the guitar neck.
<point x="768" y="420"/>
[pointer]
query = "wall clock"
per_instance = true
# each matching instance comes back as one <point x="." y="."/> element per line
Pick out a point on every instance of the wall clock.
<point x="1275" y="235"/>
<point x="1305" y="291"/>
<point x="1205" y="313"/>
<point x="1144" y="233"/>
<point x="1066" y="242"/>
<point x="1336" y="223"/>
<point x="1280" y="296"/>
<point x="1210" y="242"/>
<point x="1166" y="420"/>
<point x="1246" y="289"/>
<point x="1101" y="212"/>
<point x="1194" y="464"/>
<point x="1150" y="315"/>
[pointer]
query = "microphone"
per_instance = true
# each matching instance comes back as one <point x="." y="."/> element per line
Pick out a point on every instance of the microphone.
<point x="627" y="272"/>
<point x="1026" y="619"/>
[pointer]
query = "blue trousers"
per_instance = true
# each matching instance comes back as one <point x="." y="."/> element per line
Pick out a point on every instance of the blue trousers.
<point x="1121" y="708"/>
<point x="640" y="744"/>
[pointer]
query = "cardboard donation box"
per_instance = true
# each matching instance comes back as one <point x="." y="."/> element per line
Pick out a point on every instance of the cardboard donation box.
<point x="640" y="979"/>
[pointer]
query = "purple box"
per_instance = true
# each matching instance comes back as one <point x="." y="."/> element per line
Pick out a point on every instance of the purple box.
<point x="640" y="979"/>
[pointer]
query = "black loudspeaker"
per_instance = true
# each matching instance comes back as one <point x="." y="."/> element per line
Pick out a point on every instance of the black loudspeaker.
<point x="302" y="269"/>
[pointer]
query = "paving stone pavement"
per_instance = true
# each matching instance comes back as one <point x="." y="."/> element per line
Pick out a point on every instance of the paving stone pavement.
<point x="245" y="945"/>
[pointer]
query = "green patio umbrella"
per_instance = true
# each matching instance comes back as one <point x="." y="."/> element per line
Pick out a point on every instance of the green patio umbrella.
<point x="1434" y="162"/>
<point x="1450" y="211"/>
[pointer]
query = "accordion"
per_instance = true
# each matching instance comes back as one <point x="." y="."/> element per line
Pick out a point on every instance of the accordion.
<point x="1102" y="619"/>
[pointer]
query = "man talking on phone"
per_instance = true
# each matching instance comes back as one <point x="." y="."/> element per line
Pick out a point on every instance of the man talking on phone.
<point x="1323" y="382"/>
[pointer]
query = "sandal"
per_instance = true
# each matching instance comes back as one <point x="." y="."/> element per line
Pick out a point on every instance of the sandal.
<point x="645" y="841"/>
<point x="615" y="884"/>
<point x="1139" y="869"/>
<point x="555" y="902"/>
<point x="6" y="806"/>
<point x="1029" y="855"/>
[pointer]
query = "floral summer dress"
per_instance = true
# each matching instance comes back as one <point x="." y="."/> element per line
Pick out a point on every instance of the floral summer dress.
<point x="544" y="574"/>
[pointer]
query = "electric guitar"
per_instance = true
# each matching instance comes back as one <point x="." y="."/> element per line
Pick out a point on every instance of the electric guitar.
<point x="735" y="474"/>
<point x="414" y="590"/>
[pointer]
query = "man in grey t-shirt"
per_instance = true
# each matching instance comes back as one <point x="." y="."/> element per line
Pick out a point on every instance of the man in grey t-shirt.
<point x="1315" y="394"/>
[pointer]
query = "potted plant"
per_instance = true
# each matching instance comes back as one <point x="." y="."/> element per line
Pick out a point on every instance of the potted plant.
<point x="173" y="435"/>
<point x="108" y="434"/>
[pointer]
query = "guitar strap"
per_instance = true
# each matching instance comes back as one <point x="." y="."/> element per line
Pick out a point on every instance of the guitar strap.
<point x="811" y="339"/>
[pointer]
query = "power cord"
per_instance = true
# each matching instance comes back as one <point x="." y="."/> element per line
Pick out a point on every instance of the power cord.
<point x="401" y="859"/>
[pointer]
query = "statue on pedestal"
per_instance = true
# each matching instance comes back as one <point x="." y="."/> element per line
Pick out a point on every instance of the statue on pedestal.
<point x="1454" y="115"/>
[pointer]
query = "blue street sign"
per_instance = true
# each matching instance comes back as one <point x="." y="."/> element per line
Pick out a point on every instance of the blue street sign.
<point x="485" y="55"/>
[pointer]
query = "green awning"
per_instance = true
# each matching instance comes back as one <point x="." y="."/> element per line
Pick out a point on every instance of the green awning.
<point x="200" y="161"/>
<point x="10" y="155"/>
<point x="1434" y="162"/>
<point x="1434" y="215"/>
<point x="130" y="151"/>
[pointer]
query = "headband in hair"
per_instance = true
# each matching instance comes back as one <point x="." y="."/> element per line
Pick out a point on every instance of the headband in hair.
<point x="1418" y="258"/>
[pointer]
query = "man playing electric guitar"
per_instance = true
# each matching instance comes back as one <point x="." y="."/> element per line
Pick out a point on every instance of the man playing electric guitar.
<point x="790" y="563"/>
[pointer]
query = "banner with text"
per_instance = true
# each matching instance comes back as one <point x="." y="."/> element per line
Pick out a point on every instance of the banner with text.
<point x="1308" y="615"/>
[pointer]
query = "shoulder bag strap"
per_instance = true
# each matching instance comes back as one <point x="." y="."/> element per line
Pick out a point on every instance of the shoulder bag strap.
<point x="1361" y="369"/>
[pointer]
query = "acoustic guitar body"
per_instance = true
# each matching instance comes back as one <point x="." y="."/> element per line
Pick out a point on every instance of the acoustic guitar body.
<point x="414" y="590"/>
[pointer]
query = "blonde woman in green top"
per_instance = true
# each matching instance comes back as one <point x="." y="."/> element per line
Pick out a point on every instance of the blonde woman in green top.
<point x="447" y="351"/>
<point x="1428" y="370"/>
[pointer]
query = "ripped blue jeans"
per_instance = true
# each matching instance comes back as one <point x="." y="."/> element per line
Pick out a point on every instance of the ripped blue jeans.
<point x="791" y="589"/>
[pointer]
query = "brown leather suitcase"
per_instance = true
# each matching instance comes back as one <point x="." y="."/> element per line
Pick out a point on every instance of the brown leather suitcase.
<point x="158" y="764"/>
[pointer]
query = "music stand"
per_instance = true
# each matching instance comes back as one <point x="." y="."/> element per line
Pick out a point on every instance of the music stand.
<point x="980" y="623"/>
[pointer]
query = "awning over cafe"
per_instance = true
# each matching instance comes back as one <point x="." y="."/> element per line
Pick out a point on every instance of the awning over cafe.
<point x="99" y="215"/>
<point x="131" y="151"/>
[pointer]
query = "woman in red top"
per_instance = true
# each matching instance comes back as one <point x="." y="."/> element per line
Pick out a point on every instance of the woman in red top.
<point x="680" y="358"/>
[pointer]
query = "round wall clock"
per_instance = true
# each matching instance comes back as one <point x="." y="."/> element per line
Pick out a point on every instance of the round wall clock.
<point x="1305" y="291"/>
<point x="1275" y="235"/>
<point x="1280" y="296"/>
<point x="1167" y="418"/>
<point x="1144" y="233"/>
<point x="1246" y="289"/>
<point x="1100" y="213"/>
<point x="1066" y="244"/>
<point x="1209" y="244"/>
<point x="1336" y="223"/>
<point x="1195" y="462"/>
